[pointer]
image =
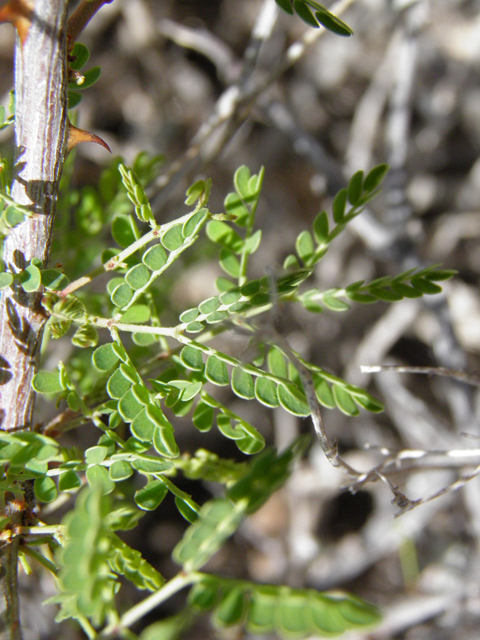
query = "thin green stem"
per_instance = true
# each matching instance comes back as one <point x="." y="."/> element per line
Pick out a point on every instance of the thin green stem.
<point x="39" y="557"/>
<point x="118" y="260"/>
<point x="245" y="255"/>
<point x="57" y="531"/>
<point x="144" y="607"/>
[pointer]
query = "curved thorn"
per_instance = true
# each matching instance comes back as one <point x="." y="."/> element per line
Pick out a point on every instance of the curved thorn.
<point x="77" y="136"/>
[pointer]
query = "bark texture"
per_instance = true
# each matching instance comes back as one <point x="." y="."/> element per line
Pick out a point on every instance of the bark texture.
<point x="40" y="134"/>
<point x="40" y="138"/>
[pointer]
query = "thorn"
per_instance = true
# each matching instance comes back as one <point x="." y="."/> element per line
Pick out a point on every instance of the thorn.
<point x="18" y="13"/>
<point x="76" y="136"/>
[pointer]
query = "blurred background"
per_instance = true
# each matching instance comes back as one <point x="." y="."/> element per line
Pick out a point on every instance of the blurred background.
<point x="214" y="85"/>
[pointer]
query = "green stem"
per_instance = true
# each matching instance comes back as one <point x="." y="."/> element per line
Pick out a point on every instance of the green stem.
<point x="144" y="607"/>
<point x="117" y="261"/>
<point x="48" y="564"/>
<point x="242" y="278"/>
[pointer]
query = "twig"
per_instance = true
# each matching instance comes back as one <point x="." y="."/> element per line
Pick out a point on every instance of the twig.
<point x="237" y="100"/>
<point x="454" y="486"/>
<point x="398" y="123"/>
<point x="468" y="378"/>
<point x="81" y="17"/>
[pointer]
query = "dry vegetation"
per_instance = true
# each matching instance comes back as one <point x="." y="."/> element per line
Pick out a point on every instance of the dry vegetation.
<point x="404" y="90"/>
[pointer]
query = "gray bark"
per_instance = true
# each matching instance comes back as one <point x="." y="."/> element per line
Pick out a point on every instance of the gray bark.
<point x="40" y="137"/>
<point x="40" y="134"/>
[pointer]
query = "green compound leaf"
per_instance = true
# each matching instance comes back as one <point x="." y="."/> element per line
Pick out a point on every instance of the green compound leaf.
<point x="85" y="336"/>
<point x="54" y="279"/>
<point x="262" y="614"/>
<point x="120" y="470"/>
<point x="229" y="263"/>
<point x="354" y="190"/>
<point x="277" y="363"/>
<point x="216" y="371"/>
<point x="79" y="57"/>
<point x="150" y="465"/>
<point x="304" y="246"/>
<point x="266" y="609"/>
<point x="137" y="277"/>
<point x="6" y="280"/>
<point x="232" y="608"/>
<point x="339" y="204"/>
<point x="243" y="384"/>
<point x="85" y="575"/>
<point x="30" y="278"/>
<point x="124" y="230"/>
<point x="142" y="427"/>
<point x="321" y="228"/>
<point x="105" y="357"/>
<point x="151" y="496"/>
<point x="194" y="327"/>
<point x="293" y="400"/>
<point x="45" y="489"/>
<point x="304" y="13"/>
<point x="231" y="296"/>
<point x="404" y="290"/>
<point x="138" y="314"/>
<point x="365" y="400"/>
<point x="195" y="192"/>
<point x="185" y="510"/>
<point x="344" y="401"/>
<point x="226" y="236"/>
<point x="253" y="242"/>
<point x="130" y="406"/>
<point x="90" y="78"/>
<point x="324" y="393"/>
<point x="291" y="262"/>
<point x="218" y="519"/>
<point x="48" y="382"/>
<point x="189" y="315"/>
<point x="121" y="295"/>
<point x="335" y="304"/>
<point x="286" y="5"/>
<point x="205" y="594"/>
<point x="192" y="358"/>
<point x="291" y="618"/>
<point x="240" y="180"/>
<point x="332" y="23"/>
<point x="129" y="563"/>
<point x="205" y="465"/>
<point x="266" y="392"/>
<point x="98" y="478"/>
<point x="118" y="385"/>
<point x="209" y="306"/>
<point x="375" y="177"/>
<point x="438" y="274"/>
<point x="224" y="284"/>
<point x="164" y="441"/>
<point x="155" y="257"/>
<point x="95" y="455"/>
<point x="425" y="286"/>
<point x="173" y="238"/>
<point x="203" y="417"/>
<point x="193" y="225"/>
<point x="74" y="99"/>
<point x="267" y="473"/>
<point x="69" y="481"/>
<point x="246" y="437"/>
